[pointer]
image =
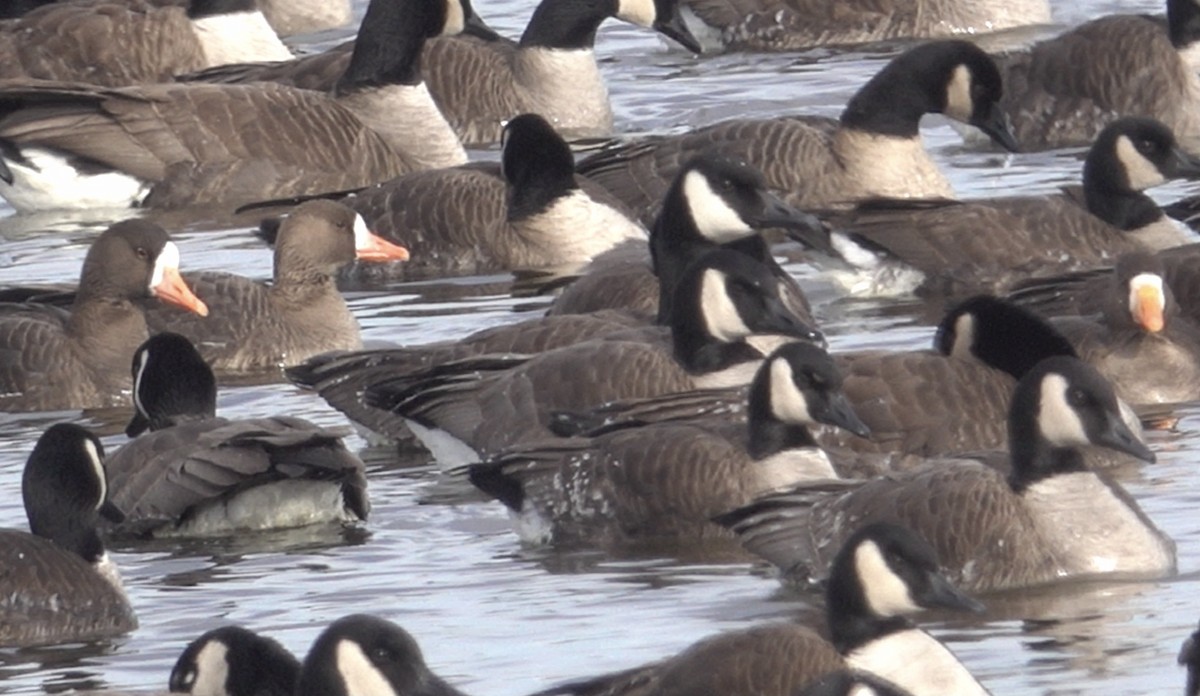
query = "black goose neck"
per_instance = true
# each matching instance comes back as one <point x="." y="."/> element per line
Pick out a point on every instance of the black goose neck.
<point x="388" y="48"/>
<point x="1124" y="209"/>
<point x="852" y="625"/>
<point x="891" y="103"/>
<point x="1183" y="22"/>
<point x="768" y="434"/>
<point x="199" y="9"/>
<point x="1035" y="460"/>
<point x="566" y="24"/>
<point x="700" y="353"/>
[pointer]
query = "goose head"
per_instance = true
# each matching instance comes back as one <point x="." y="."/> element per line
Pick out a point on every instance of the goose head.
<point x="234" y="661"/>
<point x="999" y="334"/>
<point x="133" y="259"/>
<point x="171" y="384"/>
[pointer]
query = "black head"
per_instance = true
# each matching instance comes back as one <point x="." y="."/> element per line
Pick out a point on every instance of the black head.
<point x="572" y="24"/>
<point x="376" y="655"/>
<point x="171" y="384"/>
<point x="800" y="383"/>
<point x="234" y="661"/>
<point x="1059" y="406"/>
<point x="135" y="259"/>
<point x="198" y="9"/>
<point x="1183" y="22"/>
<point x="391" y="37"/>
<point x="884" y="572"/>
<point x="1134" y="154"/>
<point x="999" y="334"/>
<point x="536" y="163"/>
<point x="320" y="236"/>
<point x="65" y="489"/>
<point x="1140" y="297"/>
<point x="1189" y="656"/>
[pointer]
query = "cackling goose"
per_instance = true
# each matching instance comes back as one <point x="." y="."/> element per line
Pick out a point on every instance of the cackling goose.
<point x="881" y="574"/>
<point x="58" y="583"/>
<point x="874" y="150"/>
<point x="666" y="481"/>
<point x="234" y="661"/>
<point x="54" y="359"/>
<point x="1051" y="519"/>
<point x="199" y="475"/>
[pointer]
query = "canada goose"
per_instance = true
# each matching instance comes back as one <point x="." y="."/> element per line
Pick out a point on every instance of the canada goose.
<point x="1052" y="519"/>
<point x="234" y="661"/>
<point x="199" y="475"/>
<point x="53" y="359"/>
<point x="362" y="654"/>
<point x="954" y="248"/>
<point x="291" y="17"/>
<point x="665" y="482"/>
<point x="850" y="683"/>
<point x="874" y="150"/>
<point x="881" y="574"/>
<point x="1063" y="91"/>
<point x="792" y="25"/>
<point x="1189" y="656"/>
<point x="69" y="146"/>
<point x="134" y="41"/>
<point x="727" y="307"/>
<point x="253" y="326"/>
<point x="58" y="583"/>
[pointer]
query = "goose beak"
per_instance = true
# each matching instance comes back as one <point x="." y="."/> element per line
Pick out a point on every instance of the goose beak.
<point x="376" y="248"/>
<point x="1148" y="308"/>
<point x="673" y="27"/>
<point x="942" y="595"/>
<point x="1117" y="436"/>
<point x="111" y="513"/>
<point x="173" y="290"/>
<point x="137" y="425"/>
<point x="780" y="320"/>
<point x="841" y="414"/>
<point x="995" y="123"/>
<point x="1183" y="165"/>
<point x="801" y="226"/>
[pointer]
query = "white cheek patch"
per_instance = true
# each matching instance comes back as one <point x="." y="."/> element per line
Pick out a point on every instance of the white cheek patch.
<point x="721" y="316"/>
<point x="639" y="12"/>
<point x="787" y="402"/>
<point x="959" y="105"/>
<point x="93" y="456"/>
<point x="1142" y="173"/>
<point x="862" y="690"/>
<point x="167" y="258"/>
<point x="964" y="337"/>
<point x="359" y="675"/>
<point x="715" y="220"/>
<point x="143" y="359"/>
<point x="886" y="594"/>
<point x="1059" y="423"/>
<point x="455" y="18"/>
<point x="362" y="234"/>
<point x="212" y="670"/>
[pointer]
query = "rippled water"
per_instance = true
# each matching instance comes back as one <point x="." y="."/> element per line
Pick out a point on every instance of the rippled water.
<point x="497" y="619"/>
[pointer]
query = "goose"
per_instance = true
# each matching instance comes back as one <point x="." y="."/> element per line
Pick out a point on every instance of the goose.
<point x="253" y="326"/>
<point x="291" y="17"/>
<point x="1189" y="656"/>
<point x="199" y="475"/>
<point x="58" y="584"/>
<point x="874" y="149"/>
<point x="1051" y="519"/>
<point x="481" y="80"/>
<point x="71" y="146"/>
<point x="850" y="683"/>
<point x="727" y="315"/>
<point x="363" y="654"/>
<point x="880" y="575"/>
<point x="795" y="25"/>
<point x="1062" y="91"/>
<point x="134" y="41"/>
<point x="957" y="248"/>
<point x="51" y="359"/>
<point x="234" y="661"/>
<point x="665" y="481"/>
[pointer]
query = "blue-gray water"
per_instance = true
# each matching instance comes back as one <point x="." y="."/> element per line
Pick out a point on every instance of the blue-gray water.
<point x="499" y="620"/>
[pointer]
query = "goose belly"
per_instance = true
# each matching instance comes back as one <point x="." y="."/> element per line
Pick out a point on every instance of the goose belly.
<point x="917" y="662"/>
<point x="280" y="505"/>
<point x="44" y="179"/>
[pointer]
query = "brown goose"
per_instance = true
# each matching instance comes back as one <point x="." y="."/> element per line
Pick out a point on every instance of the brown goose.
<point x="58" y="583"/>
<point x="175" y="145"/>
<point x="134" y="41"/>
<point x="53" y="359"/>
<point x="254" y="326"/>
<point x="874" y="150"/>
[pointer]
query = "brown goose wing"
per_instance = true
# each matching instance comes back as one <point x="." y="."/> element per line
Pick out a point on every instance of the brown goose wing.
<point x="782" y="24"/>
<point x="473" y="84"/>
<point x="36" y="361"/>
<point x="318" y="72"/>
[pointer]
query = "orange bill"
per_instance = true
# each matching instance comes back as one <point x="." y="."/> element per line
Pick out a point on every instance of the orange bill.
<point x="1148" y="308"/>
<point x="172" y="289"/>
<point x="376" y="248"/>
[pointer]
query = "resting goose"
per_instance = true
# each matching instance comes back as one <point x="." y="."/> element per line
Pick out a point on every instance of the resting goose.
<point x="234" y="661"/>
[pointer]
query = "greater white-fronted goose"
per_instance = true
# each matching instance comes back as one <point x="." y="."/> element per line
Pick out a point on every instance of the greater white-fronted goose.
<point x="1052" y="519"/>
<point x="234" y="661"/>
<point x="881" y="574"/>
<point x="199" y="475"/>
<point x="52" y="358"/>
<point x="59" y="584"/>
<point x="874" y="149"/>
<point x="255" y="326"/>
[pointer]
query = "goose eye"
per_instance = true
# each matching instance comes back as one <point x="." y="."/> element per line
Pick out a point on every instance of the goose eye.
<point x="1146" y="146"/>
<point x="1076" y="397"/>
<point x="142" y="253"/>
<point x="189" y="677"/>
<point x="381" y="654"/>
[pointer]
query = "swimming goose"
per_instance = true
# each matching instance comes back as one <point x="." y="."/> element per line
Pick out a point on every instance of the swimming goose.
<point x="727" y="310"/>
<point x="53" y="359"/>
<point x="1051" y="519"/>
<point x="956" y="248"/>
<point x="881" y="574"/>
<point x="134" y="41"/>
<point x="873" y="150"/>
<point x="69" y="146"/>
<point x="1063" y="91"/>
<point x="58" y="583"/>
<point x="199" y="475"/>
<point x="253" y="326"/>
<point x="793" y="25"/>
<point x="361" y="654"/>
<point x="234" y="661"/>
<point x="666" y="481"/>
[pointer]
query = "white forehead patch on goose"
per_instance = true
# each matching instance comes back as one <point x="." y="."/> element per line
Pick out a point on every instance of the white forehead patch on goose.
<point x="210" y="672"/>
<point x="1057" y="420"/>
<point x="715" y="220"/>
<point x="964" y="337"/>
<point x="959" y="104"/>
<point x="788" y="403"/>
<point x="455" y="18"/>
<point x="93" y="455"/>
<point x="167" y="258"/>
<point x="1146" y="280"/>
<point x="359" y="675"/>
<point x="721" y="317"/>
<point x="1142" y="173"/>
<point x="886" y="593"/>
<point x="362" y="234"/>
<point x="639" y="12"/>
